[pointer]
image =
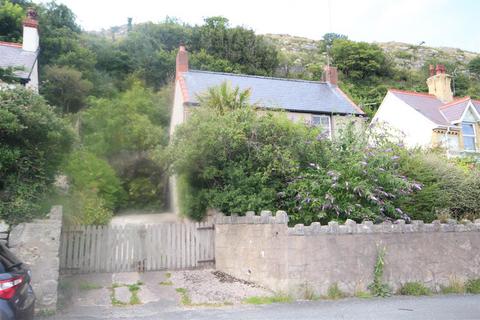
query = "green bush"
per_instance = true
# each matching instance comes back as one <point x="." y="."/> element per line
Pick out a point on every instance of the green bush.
<point x="349" y="178"/>
<point x="473" y="286"/>
<point x="237" y="161"/>
<point x="89" y="173"/>
<point x="34" y="142"/>
<point x="414" y="289"/>
<point x="445" y="187"/>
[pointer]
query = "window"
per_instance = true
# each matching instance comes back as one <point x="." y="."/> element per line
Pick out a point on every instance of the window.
<point x="469" y="140"/>
<point x="324" y="122"/>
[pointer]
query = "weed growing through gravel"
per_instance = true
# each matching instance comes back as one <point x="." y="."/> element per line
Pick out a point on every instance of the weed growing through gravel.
<point x="89" y="286"/>
<point x="454" y="286"/>
<point x="134" y="288"/>
<point x="184" y="296"/>
<point x="166" y="283"/>
<point x="363" y="294"/>
<point x="473" y="286"/>
<point x="278" y="298"/>
<point x="334" y="292"/>
<point x="414" y="289"/>
<point x="309" y="293"/>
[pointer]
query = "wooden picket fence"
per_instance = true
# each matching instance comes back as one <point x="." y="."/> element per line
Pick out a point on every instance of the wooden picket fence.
<point x="88" y="249"/>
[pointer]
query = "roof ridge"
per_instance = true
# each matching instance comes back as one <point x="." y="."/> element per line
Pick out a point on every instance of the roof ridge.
<point x="260" y="77"/>
<point x="423" y="94"/>
<point x="455" y="102"/>
<point x="10" y="44"/>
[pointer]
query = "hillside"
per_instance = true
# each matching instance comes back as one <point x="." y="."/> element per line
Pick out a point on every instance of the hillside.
<point x="304" y="51"/>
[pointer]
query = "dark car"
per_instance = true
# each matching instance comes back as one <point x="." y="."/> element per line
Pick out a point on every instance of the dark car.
<point x="17" y="300"/>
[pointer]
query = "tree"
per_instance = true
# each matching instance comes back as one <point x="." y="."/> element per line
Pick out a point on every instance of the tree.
<point x="59" y="33"/>
<point x="65" y="88"/>
<point x="474" y="66"/>
<point x="224" y="98"/>
<point x="11" y="16"/>
<point x="34" y="142"/>
<point x="128" y="130"/>
<point x="329" y="38"/>
<point x="360" y="60"/>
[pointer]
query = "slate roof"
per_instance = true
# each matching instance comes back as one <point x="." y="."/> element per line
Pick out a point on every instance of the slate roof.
<point x="12" y="55"/>
<point x="441" y="113"/>
<point x="288" y="94"/>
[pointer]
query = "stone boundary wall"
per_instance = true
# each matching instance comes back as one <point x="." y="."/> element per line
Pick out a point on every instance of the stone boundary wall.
<point x="293" y="260"/>
<point x="37" y="244"/>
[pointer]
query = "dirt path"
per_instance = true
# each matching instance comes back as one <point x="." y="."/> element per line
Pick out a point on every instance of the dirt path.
<point x="143" y="217"/>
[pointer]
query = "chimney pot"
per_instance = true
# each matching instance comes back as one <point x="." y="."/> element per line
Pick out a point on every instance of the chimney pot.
<point x="439" y="84"/>
<point x="32" y="19"/>
<point x="30" y="31"/>
<point x="182" y="61"/>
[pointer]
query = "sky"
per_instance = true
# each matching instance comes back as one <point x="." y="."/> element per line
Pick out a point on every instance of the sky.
<point x="440" y="23"/>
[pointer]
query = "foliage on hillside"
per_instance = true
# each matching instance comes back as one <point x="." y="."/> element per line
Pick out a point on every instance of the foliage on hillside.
<point x="368" y="70"/>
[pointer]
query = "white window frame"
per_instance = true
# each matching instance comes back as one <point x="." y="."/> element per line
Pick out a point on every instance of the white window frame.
<point x="320" y="116"/>
<point x="474" y="136"/>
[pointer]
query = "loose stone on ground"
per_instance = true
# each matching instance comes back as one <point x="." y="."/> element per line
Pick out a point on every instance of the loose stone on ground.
<point x="214" y="287"/>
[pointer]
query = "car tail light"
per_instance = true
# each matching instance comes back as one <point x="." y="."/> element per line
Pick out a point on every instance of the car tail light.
<point x="9" y="287"/>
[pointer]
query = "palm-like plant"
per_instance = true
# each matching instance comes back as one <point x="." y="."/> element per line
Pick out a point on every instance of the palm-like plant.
<point x="224" y="98"/>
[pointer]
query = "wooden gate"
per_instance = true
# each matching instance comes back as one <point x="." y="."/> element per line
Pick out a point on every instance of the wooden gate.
<point x="163" y="246"/>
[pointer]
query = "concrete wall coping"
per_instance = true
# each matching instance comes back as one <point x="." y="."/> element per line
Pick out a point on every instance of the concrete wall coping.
<point x="265" y="217"/>
<point x="350" y="226"/>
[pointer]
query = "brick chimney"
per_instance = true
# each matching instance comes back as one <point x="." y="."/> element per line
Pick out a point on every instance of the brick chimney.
<point x="182" y="61"/>
<point x="439" y="84"/>
<point x="30" y="31"/>
<point x="330" y="75"/>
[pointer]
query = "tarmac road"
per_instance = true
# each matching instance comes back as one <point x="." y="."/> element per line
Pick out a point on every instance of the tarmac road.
<point x="438" y="307"/>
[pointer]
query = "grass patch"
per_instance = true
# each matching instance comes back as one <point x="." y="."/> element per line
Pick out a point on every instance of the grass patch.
<point x="134" y="288"/>
<point x="334" y="292"/>
<point x="89" y="286"/>
<point x="414" y="289"/>
<point x="473" y="286"/>
<point x="184" y="296"/>
<point x="168" y="275"/>
<point x="363" y="294"/>
<point x="278" y="298"/>
<point x="46" y="313"/>
<point x="454" y="286"/>
<point x="166" y="283"/>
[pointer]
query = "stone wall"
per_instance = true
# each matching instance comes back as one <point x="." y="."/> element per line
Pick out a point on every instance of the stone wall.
<point x="37" y="244"/>
<point x="265" y="250"/>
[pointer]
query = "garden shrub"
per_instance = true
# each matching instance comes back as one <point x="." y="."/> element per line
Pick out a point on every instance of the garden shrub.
<point x="89" y="209"/>
<point x="34" y="142"/>
<point x="355" y="176"/>
<point x="237" y="161"/>
<point x="446" y="187"/>
<point x="89" y="173"/>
